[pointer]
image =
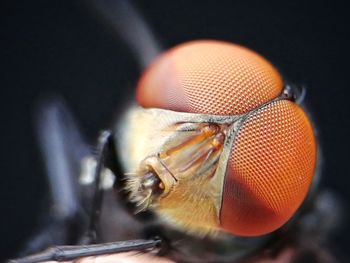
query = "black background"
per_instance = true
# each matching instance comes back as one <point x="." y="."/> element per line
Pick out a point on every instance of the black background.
<point x="58" y="46"/>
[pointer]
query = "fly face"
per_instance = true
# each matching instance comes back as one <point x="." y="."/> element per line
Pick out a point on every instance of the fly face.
<point x="181" y="175"/>
<point x="228" y="149"/>
<point x="217" y="144"/>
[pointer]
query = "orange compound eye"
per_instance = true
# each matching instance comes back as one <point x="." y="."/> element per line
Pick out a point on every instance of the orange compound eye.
<point x="269" y="171"/>
<point x="272" y="160"/>
<point x="209" y="77"/>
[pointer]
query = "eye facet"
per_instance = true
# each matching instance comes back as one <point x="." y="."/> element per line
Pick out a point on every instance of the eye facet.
<point x="267" y="149"/>
<point x="209" y="77"/>
<point x="270" y="170"/>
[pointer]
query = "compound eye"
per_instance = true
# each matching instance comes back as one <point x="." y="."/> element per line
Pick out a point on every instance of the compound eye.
<point x="269" y="171"/>
<point x="209" y="77"/>
<point x="273" y="156"/>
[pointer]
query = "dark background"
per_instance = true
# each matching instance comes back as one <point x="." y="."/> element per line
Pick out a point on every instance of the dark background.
<point x="59" y="46"/>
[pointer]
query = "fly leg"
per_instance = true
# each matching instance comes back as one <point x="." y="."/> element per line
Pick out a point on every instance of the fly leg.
<point x="66" y="253"/>
<point x="104" y="147"/>
<point x="62" y="147"/>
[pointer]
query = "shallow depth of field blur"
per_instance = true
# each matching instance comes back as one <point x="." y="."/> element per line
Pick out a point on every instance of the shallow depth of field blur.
<point x="60" y="47"/>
